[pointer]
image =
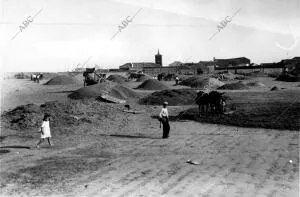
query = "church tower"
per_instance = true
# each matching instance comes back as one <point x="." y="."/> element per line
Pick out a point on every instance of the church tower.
<point x="158" y="58"/>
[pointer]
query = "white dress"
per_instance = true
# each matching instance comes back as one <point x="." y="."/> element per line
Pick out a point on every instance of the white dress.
<point x="46" y="129"/>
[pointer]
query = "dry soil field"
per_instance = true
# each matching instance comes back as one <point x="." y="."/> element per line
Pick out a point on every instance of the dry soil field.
<point x="122" y="154"/>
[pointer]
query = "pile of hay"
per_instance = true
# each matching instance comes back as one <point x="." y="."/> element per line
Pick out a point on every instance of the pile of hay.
<point x="226" y="75"/>
<point x="123" y="92"/>
<point x="63" y="114"/>
<point x="198" y="82"/>
<point x="109" y="88"/>
<point x="143" y="78"/>
<point x="117" y="78"/>
<point x="62" y="80"/>
<point x="152" y="84"/>
<point x="78" y="76"/>
<point x="234" y="86"/>
<point x="255" y="84"/>
<point x="173" y="97"/>
<point x="139" y="77"/>
<point x="288" y="78"/>
<point x="274" y="88"/>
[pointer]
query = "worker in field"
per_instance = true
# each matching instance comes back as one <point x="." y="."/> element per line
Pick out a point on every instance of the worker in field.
<point x="176" y="80"/>
<point x="164" y="119"/>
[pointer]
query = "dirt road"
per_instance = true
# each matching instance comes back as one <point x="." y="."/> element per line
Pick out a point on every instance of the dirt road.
<point x="232" y="162"/>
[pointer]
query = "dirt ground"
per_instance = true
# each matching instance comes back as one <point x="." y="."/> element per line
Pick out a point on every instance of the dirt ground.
<point x="129" y="158"/>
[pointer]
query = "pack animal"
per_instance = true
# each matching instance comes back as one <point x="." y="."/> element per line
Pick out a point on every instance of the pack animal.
<point x="213" y="101"/>
<point x="36" y="77"/>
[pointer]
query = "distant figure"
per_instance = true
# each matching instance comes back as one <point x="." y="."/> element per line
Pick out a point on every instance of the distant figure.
<point x="38" y="78"/>
<point x="45" y="131"/>
<point x="128" y="107"/>
<point x="223" y="106"/>
<point x="176" y="80"/>
<point x="164" y="119"/>
<point x="33" y="77"/>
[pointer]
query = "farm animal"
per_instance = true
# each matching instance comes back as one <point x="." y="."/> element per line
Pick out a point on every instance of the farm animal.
<point x="202" y="100"/>
<point x="36" y="77"/>
<point x="216" y="101"/>
<point x="213" y="100"/>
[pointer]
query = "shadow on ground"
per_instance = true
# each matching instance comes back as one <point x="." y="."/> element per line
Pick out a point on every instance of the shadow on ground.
<point x="132" y="136"/>
<point x="25" y="147"/>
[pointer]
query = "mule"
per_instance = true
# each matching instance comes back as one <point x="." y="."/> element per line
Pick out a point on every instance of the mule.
<point x="202" y="100"/>
<point x="213" y="101"/>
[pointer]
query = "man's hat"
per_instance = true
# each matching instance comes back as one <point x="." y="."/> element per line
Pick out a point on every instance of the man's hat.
<point x="166" y="103"/>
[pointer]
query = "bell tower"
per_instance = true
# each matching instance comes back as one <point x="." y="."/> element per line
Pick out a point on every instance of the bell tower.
<point x="158" y="58"/>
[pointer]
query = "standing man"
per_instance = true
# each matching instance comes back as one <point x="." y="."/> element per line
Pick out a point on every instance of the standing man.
<point x="176" y="80"/>
<point x="164" y="118"/>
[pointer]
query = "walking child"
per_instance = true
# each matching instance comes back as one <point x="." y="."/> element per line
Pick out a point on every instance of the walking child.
<point x="45" y="131"/>
<point x="164" y="118"/>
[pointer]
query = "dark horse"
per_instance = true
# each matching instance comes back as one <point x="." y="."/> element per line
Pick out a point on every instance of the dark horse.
<point x="213" y="100"/>
<point x="202" y="100"/>
<point x="216" y="101"/>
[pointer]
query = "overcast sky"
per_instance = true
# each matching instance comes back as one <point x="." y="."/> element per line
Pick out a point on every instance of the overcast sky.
<point x="68" y="32"/>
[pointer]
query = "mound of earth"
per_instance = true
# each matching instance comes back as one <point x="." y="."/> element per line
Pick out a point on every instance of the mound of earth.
<point x="109" y="88"/>
<point x="274" y="88"/>
<point x="152" y="84"/>
<point x="117" y="78"/>
<point x="143" y="77"/>
<point x="123" y="92"/>
<point x="241" y="77"/>
<point x="288" y="78"/>
<point x="255" y="84"/>
<point x="62" y="80"/>
<point x="78" y="76"/>
<point x="139" y="77"/>
<point x="226" y="75"/>
<point x="198" y="82"/>
<point x="234" y="86"/>
<point x="248" y="114"/>
<point x="63" y="115"/>
<point x="173" y="97"/>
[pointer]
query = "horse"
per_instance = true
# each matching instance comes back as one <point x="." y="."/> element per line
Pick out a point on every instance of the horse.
<point x="216" y="101"/>
<point x="202" y="100"/>
<point x="213" y="100"/>
<point x="36" y="77"/>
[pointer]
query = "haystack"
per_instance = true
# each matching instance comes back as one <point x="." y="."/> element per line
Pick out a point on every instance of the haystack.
<point x="255" y="84"/>
<point x="106" y="88"/>
<point x="288" y="78"/>
<point x="152" y="84"/>
<point x="173" y="97"/>
<point x="274" y="88"/>
<point x="62" y="80"/>
<point x="143" y="77"/>
<point x="234" y="86"/>
<point x="198" y="82"/>
<point x="117" y="78"/>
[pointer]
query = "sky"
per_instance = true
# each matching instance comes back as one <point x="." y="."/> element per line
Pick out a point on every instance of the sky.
<point x="65" y="33"/>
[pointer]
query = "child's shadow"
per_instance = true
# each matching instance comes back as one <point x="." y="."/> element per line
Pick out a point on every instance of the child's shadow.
<point x="25" y="147"/>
